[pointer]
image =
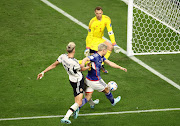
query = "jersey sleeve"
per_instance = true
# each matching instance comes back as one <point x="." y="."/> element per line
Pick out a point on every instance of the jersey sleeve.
<point x="92" y="58"/>
<point x="89" y="37"/>
<point x="60" y="58"/>
<point x="110" y="31"/>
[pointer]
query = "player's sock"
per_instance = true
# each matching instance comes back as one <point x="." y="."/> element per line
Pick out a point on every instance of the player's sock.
<point x="110" y="97"/>
<point x="71" y="110"/>
<point x="84" y="101"/>
<point x="108" y="54"/>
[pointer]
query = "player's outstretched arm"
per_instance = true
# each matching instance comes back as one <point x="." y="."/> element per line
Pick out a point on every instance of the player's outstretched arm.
<point x="84" y="61"/>
<point x="117" y="49"/>
<point x="114" y="65"/>
<point x="52" y="66"/>
<point x="85" y="68"/>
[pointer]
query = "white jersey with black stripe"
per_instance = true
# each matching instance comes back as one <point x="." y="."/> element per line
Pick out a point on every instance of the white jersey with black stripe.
<point x="72" y="67"/>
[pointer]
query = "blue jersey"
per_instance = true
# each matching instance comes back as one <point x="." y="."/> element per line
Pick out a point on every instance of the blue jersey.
<point x="94" y="72"/>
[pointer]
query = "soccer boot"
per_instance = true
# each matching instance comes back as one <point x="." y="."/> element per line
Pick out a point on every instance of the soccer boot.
<point x="116" y="100"/>
<point x="67" y="121"/>
<point x="95" y="102"/>
<point x="103" y="69"/>
<point x="75" y="114"/>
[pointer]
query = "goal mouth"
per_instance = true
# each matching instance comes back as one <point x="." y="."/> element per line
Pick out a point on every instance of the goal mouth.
<point x="153" y="27"/>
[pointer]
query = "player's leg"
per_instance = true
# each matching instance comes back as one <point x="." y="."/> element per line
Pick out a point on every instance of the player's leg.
<point x="78" y="95"/>
<point x="73" y="108"/>
<point x="78" y="100"/>
<point x="109" y="49"/>
<point x="86" y="99"/>
<point x="106" y="91"/>
<point x="101" y="86"/>
<point x="88" y="95"/>
<point x="109" y="95"/>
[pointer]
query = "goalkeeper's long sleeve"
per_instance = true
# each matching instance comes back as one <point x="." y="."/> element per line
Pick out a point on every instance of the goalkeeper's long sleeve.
<point x="110" y="31"/>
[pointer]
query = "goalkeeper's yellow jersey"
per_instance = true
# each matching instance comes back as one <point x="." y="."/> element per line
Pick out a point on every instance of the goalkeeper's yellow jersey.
<point x="96" y="30"/>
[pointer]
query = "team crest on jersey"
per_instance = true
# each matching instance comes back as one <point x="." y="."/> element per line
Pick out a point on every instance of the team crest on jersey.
<point x="110" y="25"/>
<point x="89" y="30"/>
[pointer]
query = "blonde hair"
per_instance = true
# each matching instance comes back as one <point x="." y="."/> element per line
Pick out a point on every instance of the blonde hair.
<point x="102" y="47"/>
<point x="70" y="47"/>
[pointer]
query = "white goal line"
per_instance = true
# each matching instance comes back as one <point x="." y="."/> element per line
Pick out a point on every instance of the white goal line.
<point x="93" y="114"/>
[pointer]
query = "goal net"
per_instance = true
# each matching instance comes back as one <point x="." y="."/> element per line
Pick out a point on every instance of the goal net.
<point x="153" y="27"/>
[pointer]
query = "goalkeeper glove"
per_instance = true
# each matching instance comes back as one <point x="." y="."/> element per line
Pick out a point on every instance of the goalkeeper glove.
<point x="116" y="48"/>
<point x="87" y="52"/>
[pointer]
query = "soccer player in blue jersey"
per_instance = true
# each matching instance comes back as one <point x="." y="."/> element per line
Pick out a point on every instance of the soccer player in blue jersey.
<point x="94" y="80"/>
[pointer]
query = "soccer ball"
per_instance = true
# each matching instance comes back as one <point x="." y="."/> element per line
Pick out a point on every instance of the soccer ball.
<point x="112" y="86"/>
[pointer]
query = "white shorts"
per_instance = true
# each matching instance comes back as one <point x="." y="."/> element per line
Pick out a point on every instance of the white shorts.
<point x="95" y="85"/>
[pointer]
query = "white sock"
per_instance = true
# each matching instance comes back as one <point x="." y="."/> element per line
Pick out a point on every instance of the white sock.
<point x="73" y="108"/>
<point x="91" y="102"/>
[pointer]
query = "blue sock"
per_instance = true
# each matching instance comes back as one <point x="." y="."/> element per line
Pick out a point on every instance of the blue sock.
<point x="84" y="101"/>
<point x="110" y="97"/>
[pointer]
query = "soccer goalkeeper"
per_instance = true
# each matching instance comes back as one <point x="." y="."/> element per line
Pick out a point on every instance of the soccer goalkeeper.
<point x="96" y="32"/>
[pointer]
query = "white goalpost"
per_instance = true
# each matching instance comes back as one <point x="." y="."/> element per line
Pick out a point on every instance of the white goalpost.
<point x="153" y="27"/>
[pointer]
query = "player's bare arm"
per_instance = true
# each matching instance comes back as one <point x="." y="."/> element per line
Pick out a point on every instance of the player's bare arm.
<point x="85" y="68"/>
<point x="52" y="66"/>
<point x="84" y="61"/>
<point x="114" y="65"/>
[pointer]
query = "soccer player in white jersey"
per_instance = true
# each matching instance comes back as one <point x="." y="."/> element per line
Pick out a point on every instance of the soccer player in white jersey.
<point x="94" y="80"/>
<point x="76" y="78"/>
